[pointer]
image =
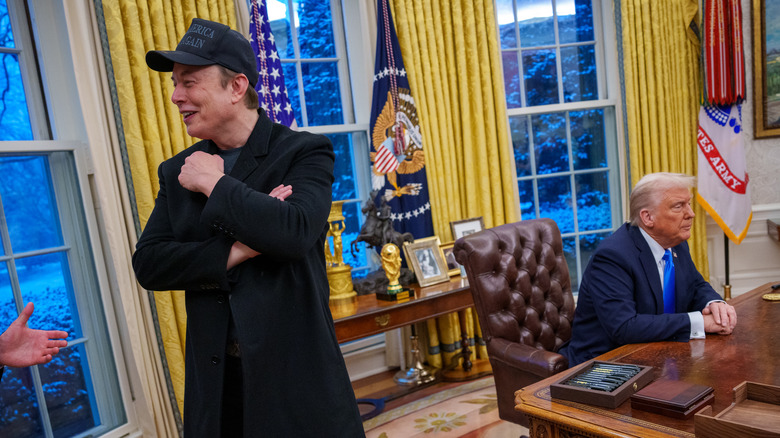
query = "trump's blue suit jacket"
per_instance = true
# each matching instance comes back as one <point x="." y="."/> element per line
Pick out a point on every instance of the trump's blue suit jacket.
<point x="621" y="297"/>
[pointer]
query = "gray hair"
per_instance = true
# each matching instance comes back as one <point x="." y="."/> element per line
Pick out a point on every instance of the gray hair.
<point x="648" y="191"/>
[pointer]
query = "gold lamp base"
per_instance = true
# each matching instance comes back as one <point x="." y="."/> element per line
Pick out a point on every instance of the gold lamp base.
<point x="417" y="374"/>
<point x="340" y="280"/>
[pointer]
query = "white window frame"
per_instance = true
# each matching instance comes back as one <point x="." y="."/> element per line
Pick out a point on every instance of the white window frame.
<point x="608" y="80"/>
<point x="59" y="125"/>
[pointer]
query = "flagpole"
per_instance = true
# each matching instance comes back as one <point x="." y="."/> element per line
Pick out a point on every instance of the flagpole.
<point x="727" y="286"/>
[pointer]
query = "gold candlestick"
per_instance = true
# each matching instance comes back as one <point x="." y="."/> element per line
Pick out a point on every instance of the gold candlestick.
<point x="339" y="273"/>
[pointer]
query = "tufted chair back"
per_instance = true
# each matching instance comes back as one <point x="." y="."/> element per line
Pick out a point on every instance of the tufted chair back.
<point x="522" y="294"/>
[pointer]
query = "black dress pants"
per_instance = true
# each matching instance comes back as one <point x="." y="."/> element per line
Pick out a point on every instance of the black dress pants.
<point x="233" y="399"/>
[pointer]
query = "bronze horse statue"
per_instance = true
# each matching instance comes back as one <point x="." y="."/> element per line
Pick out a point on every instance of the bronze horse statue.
<point x="378" y="228"/>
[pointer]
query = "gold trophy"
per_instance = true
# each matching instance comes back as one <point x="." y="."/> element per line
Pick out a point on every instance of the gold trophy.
<point x="391" y="263"/>
<point x="339" y="273"/>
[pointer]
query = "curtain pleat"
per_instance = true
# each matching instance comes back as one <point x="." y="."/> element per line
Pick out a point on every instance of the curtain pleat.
<point x="663" y="89"/>
<point x="152" y="404"/>
<point x="452" y="57"/>
<point x="152" y="127"/>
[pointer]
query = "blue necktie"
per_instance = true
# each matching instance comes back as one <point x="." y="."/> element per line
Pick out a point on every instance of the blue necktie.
<point x="669" y="306"/>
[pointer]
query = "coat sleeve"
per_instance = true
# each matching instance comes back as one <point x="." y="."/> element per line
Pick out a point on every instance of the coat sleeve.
<point x="168" y="259"/>
<point x="280" y="229"/>
<point x="624" y="302"/>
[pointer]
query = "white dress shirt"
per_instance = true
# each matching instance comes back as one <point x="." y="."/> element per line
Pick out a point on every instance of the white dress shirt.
<point x="697" y="319"/>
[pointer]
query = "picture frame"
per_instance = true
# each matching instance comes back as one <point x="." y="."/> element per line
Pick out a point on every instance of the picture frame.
<point x="426" y="258"/>
<point x="466" y="226"/>
<point x="453" y="267"/>
<point x="766" y="69"/>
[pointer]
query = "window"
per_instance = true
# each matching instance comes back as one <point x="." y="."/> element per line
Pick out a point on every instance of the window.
<point x="311" y="41"/>
<point x="562" y="119"/>
<point x="46" y="257"/>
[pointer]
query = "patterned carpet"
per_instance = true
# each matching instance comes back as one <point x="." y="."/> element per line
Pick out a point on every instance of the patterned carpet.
<point x="469" y="410"/>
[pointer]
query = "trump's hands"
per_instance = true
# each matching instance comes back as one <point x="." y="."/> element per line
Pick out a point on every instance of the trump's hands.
<point x="21" y="346"/>
<point x="719" y="317"/>
<point x="201" y="172"/>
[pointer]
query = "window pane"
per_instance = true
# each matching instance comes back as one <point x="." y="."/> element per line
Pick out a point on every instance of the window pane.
<point x="512" y="79"/>
<point x="578" y="65"/>
<point x="25" y="188"/>
<point x="593" y="207"/>
<point x="552" y="154"/>
<point x="569" y="250"/>
<point x="344" y="172"/>
<point x="541" y="77"/>
<point x="323" y="97"/>
<point x="14" y="116"/>
<point x="45" y="281"/>
<point x="527" y="202"/>
<point x="280" y="27"/>
<point x="521" y="145"/>
<point x="353" y="214"/>
<point x="291" y="83"/>
<point x="555" y="202"/>
<point x="536" y="23"/>
<point x="67" y="396"/>
<point x="6" y="35"/>
<point x="7" y="305"/>
<point x="505" y="13"/>
<point x="588" y="245"/>
<point x="575" y="21"/>
<point x="19" y="416"/>
<point x="315" y="33"/>
<point x="588" y="141"/>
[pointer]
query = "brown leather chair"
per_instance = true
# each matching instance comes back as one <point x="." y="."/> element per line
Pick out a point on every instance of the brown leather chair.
<point x="522" y="293"/>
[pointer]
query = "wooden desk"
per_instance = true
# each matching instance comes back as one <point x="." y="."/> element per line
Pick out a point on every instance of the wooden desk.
<point x="750" y="353"/>
<point x="366" y="316"/>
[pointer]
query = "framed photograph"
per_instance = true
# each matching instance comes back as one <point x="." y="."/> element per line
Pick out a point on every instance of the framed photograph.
<point x="453" y="267"/>
<point x="766" y="68"/>
<point x="426" y="258"/>
<point x="466" y="226"/>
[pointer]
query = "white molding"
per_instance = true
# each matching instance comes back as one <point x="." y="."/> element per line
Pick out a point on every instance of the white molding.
<point x="755" y="261"/>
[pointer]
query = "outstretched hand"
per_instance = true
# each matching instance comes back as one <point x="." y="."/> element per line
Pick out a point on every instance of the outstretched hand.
<point x="21" y="346"/>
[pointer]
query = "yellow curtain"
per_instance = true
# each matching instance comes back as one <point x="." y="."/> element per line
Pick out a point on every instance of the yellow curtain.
<point x="452" y="57"/>
<point x="663" y="88"/>
<point x="151" y="125"/>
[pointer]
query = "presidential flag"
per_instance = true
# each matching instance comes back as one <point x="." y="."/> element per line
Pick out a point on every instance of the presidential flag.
<point x="723" y="187"/>
<point x="398" y="170"/>
<point x="270" y="87"/>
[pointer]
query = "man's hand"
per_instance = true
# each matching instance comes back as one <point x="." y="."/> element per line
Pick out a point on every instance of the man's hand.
<point x="281" y="192"/>
<point x="21" y="346"/>
<point x="719" y="317"/>
<point x="239" y="252"/>
<point x="201" y="172"/>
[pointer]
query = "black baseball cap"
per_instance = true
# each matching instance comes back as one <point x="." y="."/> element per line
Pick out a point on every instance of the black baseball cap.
<point x="207" y="43"/>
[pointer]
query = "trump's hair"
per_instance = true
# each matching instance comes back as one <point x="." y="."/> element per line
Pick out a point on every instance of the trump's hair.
<point x="648" y="192"/>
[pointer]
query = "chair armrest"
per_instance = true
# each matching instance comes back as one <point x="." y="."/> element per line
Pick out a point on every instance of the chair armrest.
<point x="541" y="363"/>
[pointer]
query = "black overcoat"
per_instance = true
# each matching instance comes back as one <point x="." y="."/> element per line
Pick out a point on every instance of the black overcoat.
<point x="295" y="380"/>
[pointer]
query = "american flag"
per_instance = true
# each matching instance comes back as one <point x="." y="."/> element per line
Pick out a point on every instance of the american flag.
<point x="270" y="87"/>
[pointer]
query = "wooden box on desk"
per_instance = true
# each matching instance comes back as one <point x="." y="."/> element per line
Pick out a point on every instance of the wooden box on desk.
<point x="673" y="398"/>
<point x="595" y="397"/>
<point x="754" y="413"/>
